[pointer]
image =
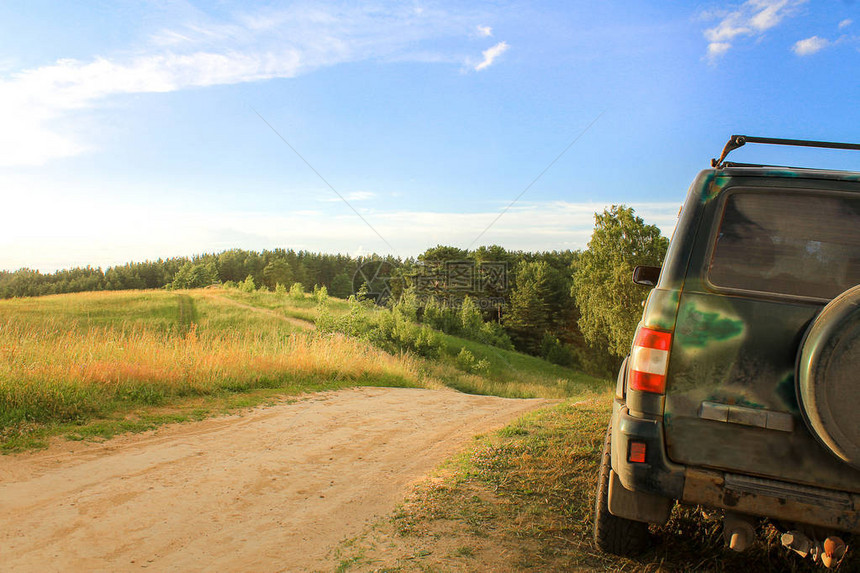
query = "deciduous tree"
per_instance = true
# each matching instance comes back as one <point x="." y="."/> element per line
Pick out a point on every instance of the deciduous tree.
<point x="609" y="301"/>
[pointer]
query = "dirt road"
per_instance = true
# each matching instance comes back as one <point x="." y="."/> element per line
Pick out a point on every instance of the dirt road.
<point x="271" y="490"/>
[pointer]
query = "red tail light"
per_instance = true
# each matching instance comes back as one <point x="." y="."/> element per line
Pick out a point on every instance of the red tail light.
<point x="637" y="453"/>
<point x="649" y="360"/>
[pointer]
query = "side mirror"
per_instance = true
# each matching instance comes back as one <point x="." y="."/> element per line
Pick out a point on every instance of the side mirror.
<point x="646" y="276"/>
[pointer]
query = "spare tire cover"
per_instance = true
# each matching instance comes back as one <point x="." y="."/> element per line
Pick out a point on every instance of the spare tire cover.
<point x="828" y="376"/>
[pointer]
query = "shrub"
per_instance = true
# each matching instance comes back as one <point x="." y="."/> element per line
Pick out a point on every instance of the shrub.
<point x="466" y="361"/>
<point x="552" y="350"/>
<point x="320" y="294"/>
<point x="248" y="284"/>
<point x="297" y="291"/>
<point x="494" y="334"/>
<point x="384" y="329"/>
<point x="441" y="317"/>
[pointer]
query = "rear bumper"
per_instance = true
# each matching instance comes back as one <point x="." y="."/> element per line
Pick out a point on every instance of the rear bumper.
<point x="738" y="493"/>
<point x="782" y="501"/>
<point x="658" y="475"/>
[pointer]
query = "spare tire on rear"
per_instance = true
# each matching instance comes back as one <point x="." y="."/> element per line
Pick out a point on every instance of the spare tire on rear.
<point x="828" y="376"/>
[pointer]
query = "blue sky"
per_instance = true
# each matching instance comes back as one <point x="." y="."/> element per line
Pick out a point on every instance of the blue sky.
<point x="130" y="130"/>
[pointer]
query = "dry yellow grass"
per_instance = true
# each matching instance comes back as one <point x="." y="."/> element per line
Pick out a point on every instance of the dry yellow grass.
<point x="58" y="365"/>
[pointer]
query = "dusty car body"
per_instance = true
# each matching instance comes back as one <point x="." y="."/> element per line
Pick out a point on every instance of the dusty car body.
<point x="742" y="389"/>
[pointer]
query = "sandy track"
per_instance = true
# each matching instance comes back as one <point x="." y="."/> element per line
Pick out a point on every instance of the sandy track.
<point x="272" y="490"/>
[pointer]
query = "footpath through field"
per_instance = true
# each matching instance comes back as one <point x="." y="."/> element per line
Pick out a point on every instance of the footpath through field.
<point x="271" y="490"/>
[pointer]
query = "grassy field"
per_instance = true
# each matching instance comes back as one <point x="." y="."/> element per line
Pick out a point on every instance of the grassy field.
<point x="93" y="364"/>
<point x="521" y="499"/>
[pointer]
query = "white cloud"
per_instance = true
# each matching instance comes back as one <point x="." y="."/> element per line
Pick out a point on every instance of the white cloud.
<point x="752" y="19"/>
<point x="717" y="49"/>
<point x="810" y="46"/>
<point x="35" y="103"/>
<point x="32" y="101"/>
<point x="490" y="55"/>
<point x="484" y="31"/>
<point x="845" y="23"/>
<point x="78" y="226"/>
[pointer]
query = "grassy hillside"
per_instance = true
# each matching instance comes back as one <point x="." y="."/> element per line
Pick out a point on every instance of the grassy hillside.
<point x="97" y="363"/>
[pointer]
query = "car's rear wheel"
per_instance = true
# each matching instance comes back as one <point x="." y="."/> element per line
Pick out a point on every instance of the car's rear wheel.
<point x="614" y="534"/>
<point x="827" y="370"/>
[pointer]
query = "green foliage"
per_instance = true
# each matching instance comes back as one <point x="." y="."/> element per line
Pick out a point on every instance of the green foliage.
<point x="388" y="329"/>
<point x="248" y="284"/>
<point x="267" y="267"/>
<point x="470" y="319"/>
<point x="609" y="301"/>
<point x="341" y="286"/>
<point x="443" y="253"/>
<point x="278" y="272"/>
<point x="466" y="321"/>
<point x="320" y="294"/>
<point x="553" y="350"/>
<point x="441" y="317"/>
<point x="194" y="275"/>
<point x="297" y="291"/>
<point x="467" y="362"/>
<point x="530" y="314"/>
<point x="494" y="334"/>
<point x="280" y="289"/>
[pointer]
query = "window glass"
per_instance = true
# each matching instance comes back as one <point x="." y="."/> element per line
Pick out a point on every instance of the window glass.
<point x="790" y="243"/>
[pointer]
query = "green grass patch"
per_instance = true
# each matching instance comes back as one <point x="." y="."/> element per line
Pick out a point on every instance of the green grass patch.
<point x="513" y="374"/>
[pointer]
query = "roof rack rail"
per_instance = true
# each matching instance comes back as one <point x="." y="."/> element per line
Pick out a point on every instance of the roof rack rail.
<point x="736" y="141"/>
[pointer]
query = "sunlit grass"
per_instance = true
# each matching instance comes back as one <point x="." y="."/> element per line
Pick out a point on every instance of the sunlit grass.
<point x="80" y="358"/>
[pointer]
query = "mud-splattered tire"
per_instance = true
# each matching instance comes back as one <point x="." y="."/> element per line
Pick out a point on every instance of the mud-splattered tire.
<point x="613" y="534"/>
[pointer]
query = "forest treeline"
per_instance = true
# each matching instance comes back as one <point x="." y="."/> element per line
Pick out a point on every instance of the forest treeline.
<point x="575" y="308"/>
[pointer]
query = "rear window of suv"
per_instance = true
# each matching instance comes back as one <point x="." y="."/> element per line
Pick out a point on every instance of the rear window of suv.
<point x="803" y="244"/>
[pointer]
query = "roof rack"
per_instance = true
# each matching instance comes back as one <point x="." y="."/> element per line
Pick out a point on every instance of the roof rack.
<point x="736" y="141"/>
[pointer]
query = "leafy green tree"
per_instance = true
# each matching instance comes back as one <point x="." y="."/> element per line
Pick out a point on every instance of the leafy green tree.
<point x="248" y="284"/>
<point x="341" y="285"/>
<point x="277" y="272"/>
<point x="609" y="302"/>
<point x="443" y="253"/>
<point x="529" y="315"/>
<point x="470" y="319"/>
<point x="194" y="275"/>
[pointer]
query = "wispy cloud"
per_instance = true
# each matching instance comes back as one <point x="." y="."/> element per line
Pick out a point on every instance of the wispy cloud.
<point x="752" y="19"/>
<point x="815" y="44"/>
<point x="484" y="31"/>
<point x="31" y="101"/>
<point x="490" y="55"/>
<point x="71" y="233"/>
<point x="34" y="103"/>
<point x="810" y="46"/>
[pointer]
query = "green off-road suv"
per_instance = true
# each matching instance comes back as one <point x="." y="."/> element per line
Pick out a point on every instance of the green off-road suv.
<point x="741" y="392"/>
